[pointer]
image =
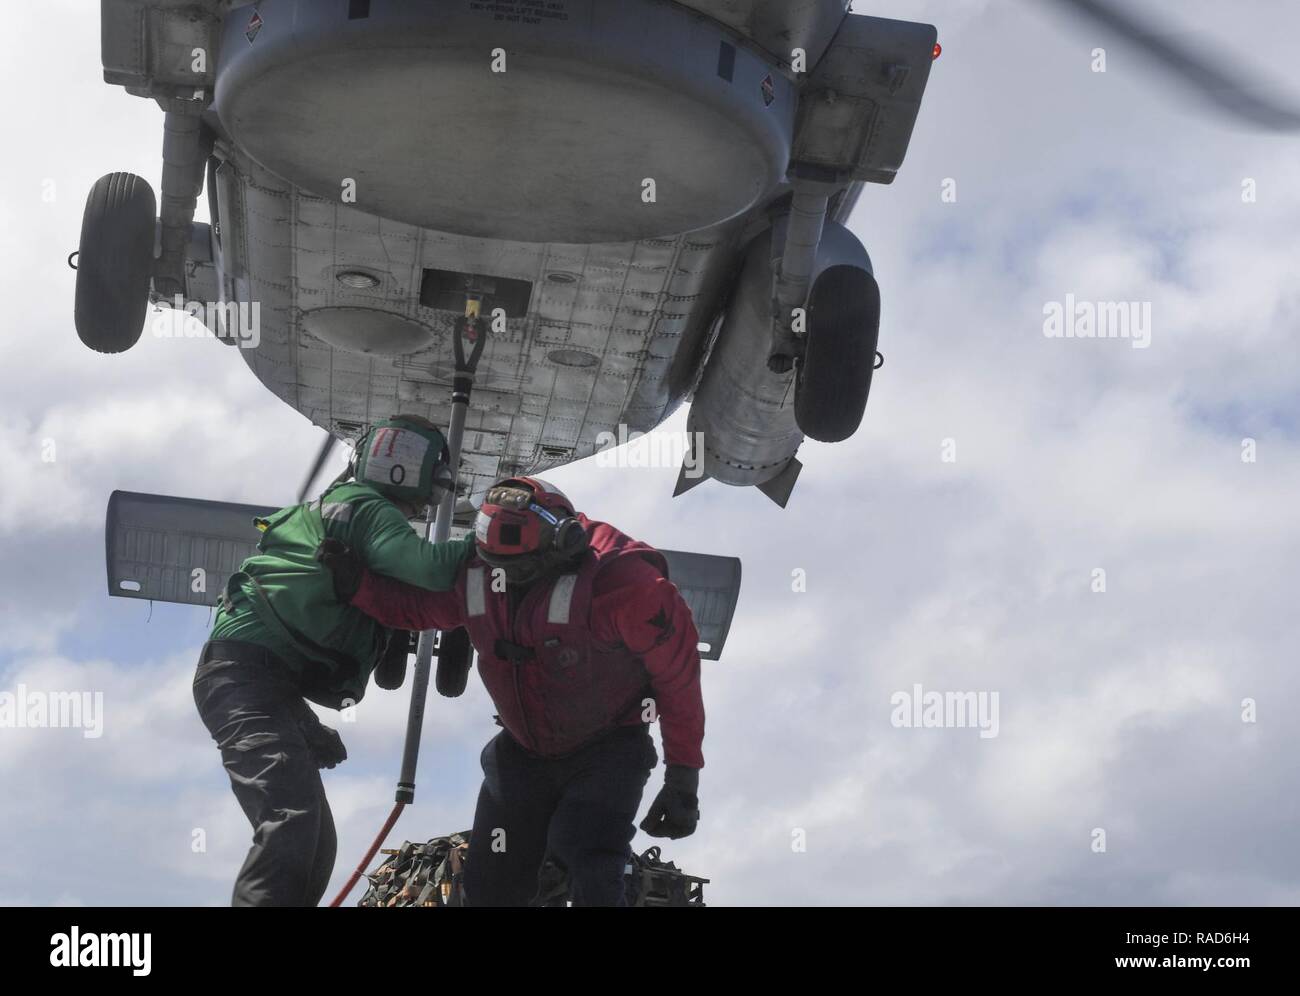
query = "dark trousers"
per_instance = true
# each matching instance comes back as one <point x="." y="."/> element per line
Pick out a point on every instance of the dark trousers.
<point x="272" y="746"/>
<point x="576" y="811"/>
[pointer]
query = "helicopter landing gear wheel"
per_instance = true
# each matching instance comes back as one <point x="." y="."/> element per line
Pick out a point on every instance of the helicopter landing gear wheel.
<point x="833" y="378"/>
<point x="115" y="262"/>
<point x="455" y="660"/>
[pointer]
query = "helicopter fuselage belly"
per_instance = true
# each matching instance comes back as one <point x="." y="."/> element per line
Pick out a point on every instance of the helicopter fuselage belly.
<point x="613" y="335"/>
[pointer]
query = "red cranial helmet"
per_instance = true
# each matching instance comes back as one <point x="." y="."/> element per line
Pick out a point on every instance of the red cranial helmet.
<point x="528" y="528"/>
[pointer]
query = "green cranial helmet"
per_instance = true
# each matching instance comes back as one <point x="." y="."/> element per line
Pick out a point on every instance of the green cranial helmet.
<point x="404" y="457"/>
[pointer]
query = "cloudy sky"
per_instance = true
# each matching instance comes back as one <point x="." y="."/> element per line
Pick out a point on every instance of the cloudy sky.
<point x="1119" y="711"/>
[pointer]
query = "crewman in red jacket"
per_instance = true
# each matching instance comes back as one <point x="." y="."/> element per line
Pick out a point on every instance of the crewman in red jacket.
<point x="582" y="642"/>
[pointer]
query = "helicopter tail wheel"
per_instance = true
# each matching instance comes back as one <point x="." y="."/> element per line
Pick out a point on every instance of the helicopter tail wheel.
<point x="115" y="262"/>
<point x="834" y="377"/>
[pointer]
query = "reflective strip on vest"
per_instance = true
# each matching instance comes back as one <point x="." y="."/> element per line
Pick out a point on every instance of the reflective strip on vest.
<point x="340" y="510"/>
<point x="475" y="601"/>
<point x="561" y="599"/>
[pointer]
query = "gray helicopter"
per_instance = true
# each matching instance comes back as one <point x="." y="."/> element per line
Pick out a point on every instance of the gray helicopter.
<point x="633" y="203"/>
<point x="636" y="204"/>
<point x="588" y="211"/>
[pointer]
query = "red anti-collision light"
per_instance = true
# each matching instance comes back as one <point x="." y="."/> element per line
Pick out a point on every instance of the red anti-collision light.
<point x="938" y="50"/>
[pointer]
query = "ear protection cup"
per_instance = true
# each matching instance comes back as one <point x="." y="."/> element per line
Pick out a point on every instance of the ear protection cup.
<point x="570" y="539"/>
<point x="526" y="526"/>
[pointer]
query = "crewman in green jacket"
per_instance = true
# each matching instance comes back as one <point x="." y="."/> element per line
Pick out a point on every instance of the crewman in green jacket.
<point x="282" y="636"/>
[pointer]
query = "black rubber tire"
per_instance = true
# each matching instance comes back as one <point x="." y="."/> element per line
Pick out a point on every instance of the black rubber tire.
<point x="390" y="672"/>
<point x="115" y="262"/>
<point x="833" y="379"/>
<point x="455" y="658"/>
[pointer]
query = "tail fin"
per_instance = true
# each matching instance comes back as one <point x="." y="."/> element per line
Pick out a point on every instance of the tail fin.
<point x="687" y="481"/>
<point x="778" y="488"/>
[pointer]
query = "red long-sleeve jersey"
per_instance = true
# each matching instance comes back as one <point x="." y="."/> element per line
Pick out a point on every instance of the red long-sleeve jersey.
<point x="633" y="604"/>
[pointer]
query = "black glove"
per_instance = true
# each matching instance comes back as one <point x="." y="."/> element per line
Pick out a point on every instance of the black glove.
<point x="324" y="744"/>
<point x="327" y="747"/>
<point x="345" y="565"/>
<point x="676" y="810"/>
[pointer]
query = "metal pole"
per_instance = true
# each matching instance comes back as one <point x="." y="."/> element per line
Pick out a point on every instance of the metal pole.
<point x="438" y="529"/>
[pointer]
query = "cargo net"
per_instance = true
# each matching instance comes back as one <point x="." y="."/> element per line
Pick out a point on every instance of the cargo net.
<point x="433" y="874"/>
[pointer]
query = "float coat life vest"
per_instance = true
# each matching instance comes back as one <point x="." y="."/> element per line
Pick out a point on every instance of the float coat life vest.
<point x="554" y="685"/>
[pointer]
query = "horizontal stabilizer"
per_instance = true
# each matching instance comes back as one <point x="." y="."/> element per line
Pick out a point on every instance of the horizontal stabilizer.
<point x="184" y="549"/>
<point x="176" y="549"/>
<point x="711" y="587"/>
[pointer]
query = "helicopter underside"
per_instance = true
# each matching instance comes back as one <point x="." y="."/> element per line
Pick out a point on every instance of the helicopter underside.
<point x="609" y="335"/>
<point x="586" y="123"/>
<point x="555" y="161"/>
<point x="615" y="188"/>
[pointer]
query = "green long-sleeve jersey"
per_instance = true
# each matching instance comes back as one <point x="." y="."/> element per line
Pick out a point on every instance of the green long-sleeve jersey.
<point x="283" y="599"/>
